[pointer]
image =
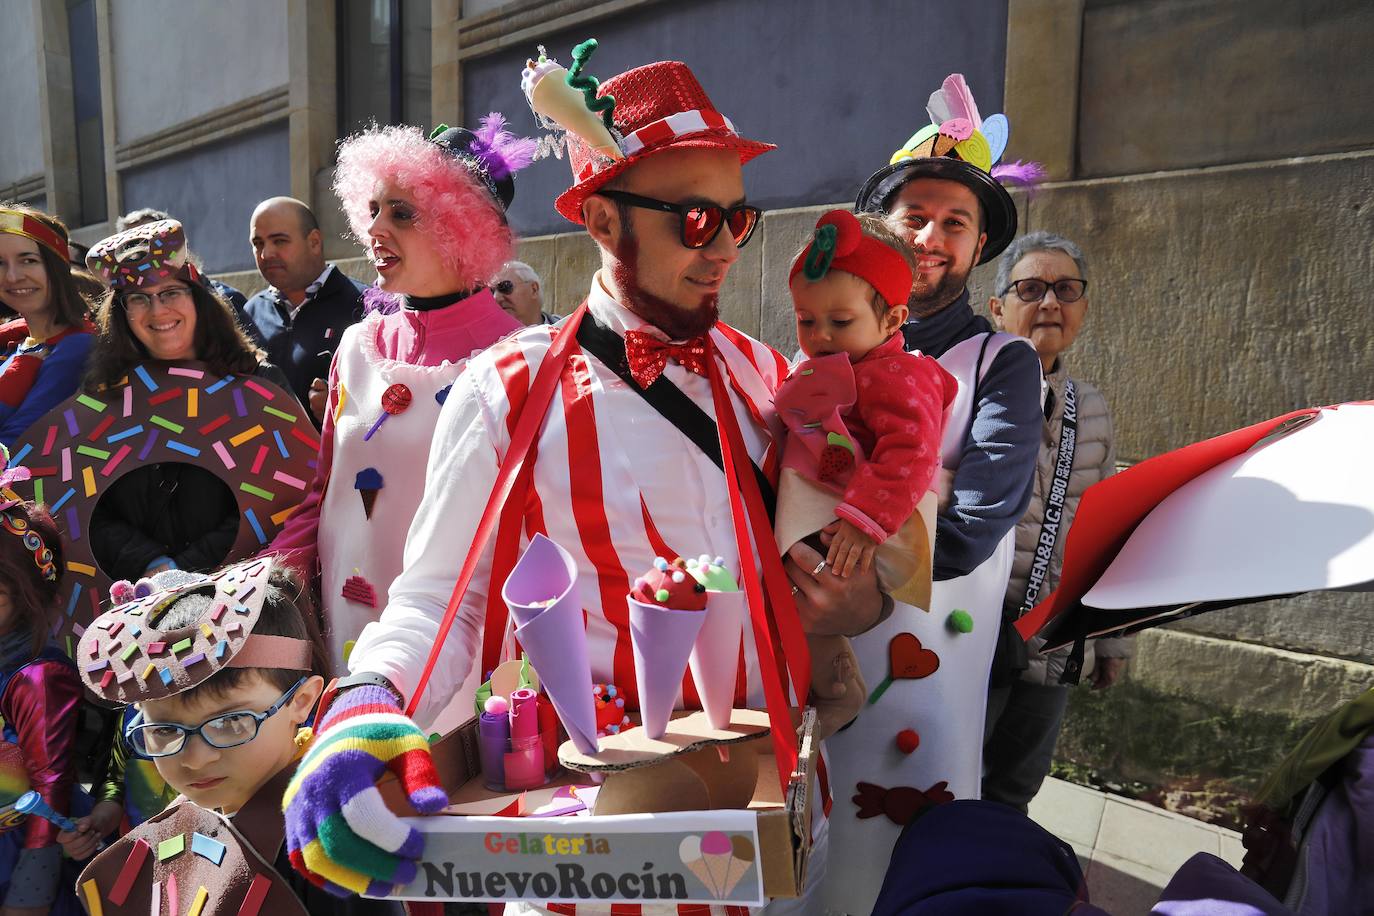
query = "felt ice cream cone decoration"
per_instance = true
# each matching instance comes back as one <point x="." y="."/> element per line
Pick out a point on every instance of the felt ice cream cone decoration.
<point x="368" y="482"/>
<point x="715" y="654"/>
<point x="541" y="593"/>
<point x="549" y="89"/>
<point x="666" y="606"/>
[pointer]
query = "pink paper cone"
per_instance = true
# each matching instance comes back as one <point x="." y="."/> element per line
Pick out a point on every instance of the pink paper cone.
<point x="662" y="640"/>
<point x="554" y="636"/>
<point x="715" y="655"/>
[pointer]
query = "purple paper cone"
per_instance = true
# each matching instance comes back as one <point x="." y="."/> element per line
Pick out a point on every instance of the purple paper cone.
<point x="662" y="640"/>
<point x="715" y="655"/>
<point x="553" y="636"/>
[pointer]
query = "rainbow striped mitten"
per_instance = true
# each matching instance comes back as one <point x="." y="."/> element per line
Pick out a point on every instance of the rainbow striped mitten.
<point x="339" y="832"/>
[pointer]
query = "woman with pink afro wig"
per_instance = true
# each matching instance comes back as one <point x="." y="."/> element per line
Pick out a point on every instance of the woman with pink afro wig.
<point x="431" y="214"/>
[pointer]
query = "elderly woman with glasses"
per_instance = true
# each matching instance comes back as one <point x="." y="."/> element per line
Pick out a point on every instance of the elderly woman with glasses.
<point x="431" y="215"/>
<point x="1042" y="295"/>
<point x="168" y="515"/>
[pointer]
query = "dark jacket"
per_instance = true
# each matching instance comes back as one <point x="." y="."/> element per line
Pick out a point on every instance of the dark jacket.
<point x="992" y="486"/>
<point x="167" y="509"/>
<point x="303" y="346"/>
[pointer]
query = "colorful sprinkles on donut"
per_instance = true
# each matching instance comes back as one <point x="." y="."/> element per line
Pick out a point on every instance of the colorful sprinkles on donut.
<point x="251" y="434"/>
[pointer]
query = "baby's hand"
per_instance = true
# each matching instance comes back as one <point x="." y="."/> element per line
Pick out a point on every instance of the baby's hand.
<point x="851" y="550"/>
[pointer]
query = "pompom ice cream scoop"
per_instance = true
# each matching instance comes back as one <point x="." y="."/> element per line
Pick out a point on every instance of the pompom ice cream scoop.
<point x="545" y="83"/>
<point x="665" y="606"/>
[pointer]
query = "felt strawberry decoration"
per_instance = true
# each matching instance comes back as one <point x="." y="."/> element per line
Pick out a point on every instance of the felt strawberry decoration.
<point x="836" y="459"/>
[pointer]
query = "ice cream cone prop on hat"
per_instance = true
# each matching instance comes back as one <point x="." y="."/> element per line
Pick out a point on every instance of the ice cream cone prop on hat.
<point x="541" y="593"/>
<point x="715" y="654"/>
<point x="654" y="108"/>
<point x="550" y="90"/>
<point x="666" y="606"/>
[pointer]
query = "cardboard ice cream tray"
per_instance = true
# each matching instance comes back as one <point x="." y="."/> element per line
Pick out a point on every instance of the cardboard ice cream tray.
<point x="700" y="826"/>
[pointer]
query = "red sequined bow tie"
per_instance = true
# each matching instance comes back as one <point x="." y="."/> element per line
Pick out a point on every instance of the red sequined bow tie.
<point x="648" y="355"/>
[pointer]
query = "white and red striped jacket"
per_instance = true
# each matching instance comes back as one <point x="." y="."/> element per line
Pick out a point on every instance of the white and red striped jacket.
<point x="614" y="483"/>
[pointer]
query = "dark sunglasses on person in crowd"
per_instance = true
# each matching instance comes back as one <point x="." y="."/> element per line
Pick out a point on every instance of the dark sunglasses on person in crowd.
<point x="1066" y="290"/>
<point x="699" y="223"/>
<point x="503" y="288"/>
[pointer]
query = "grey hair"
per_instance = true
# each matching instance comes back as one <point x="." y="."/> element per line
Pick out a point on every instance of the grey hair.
<point x="139" y="217"/>
<point x="1032" y="242"/>
<point x="521" y="270"/>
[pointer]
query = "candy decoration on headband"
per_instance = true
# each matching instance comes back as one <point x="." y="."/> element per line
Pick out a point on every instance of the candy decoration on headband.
<point x="839" y="244"/>
<point x="16" y="222"/>
<point x="589" y="84"/>
<point x="558" y="106"/>
<point x="246" y="431"/>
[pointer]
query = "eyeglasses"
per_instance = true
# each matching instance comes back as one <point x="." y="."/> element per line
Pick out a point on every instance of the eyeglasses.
<point x="699" y="223"/>
<point x="504" y="288"/>
<point x="164" y="739"/>
<point x="140" y="302"/>
<point x="1033" y="290"/>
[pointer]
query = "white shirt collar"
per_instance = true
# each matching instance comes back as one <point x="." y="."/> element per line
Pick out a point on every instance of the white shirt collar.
<point x="311" y="291"/>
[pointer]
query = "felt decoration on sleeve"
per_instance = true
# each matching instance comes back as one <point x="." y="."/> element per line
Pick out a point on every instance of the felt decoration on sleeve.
<point x="125" y="656"/>
<point x="16" y="222"/>
<point x="249" y="433"/>
<point x="144" y="254"/>
<point x="188" y="859"/>
<point x="839" y="244"/>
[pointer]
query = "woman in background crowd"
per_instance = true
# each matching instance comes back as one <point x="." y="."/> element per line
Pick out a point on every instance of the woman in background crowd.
<point x="1042" y="296"/>
<point x="51" y="335"/>
<point x="169" y="515"/>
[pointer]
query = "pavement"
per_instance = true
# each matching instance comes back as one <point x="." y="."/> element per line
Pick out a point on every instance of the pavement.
<point x="1128" y="849"/>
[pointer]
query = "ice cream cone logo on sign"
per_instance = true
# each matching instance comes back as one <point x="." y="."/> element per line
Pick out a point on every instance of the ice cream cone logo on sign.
<point x="720" y="861"/>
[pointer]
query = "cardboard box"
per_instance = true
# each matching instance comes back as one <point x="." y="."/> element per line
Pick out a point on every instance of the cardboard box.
<point x="480" y="844"/>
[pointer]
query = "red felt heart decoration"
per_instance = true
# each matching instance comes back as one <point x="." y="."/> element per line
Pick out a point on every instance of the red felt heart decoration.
<point x="909" y="659"/>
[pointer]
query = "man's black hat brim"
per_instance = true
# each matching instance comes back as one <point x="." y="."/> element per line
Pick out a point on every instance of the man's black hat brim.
<point x="998" y="209"/>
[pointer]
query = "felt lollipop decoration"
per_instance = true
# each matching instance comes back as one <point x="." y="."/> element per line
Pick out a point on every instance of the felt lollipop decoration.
<point x="907" y="660"/>
<point x="395" y="400"/>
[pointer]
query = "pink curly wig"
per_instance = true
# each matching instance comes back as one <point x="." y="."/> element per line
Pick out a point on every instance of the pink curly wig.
<point x="455" y="208"/>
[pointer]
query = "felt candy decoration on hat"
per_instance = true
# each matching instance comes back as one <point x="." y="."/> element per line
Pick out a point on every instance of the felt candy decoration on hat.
<point x="126" y="656"/>
<point x="839" y="244"/>
<point x="141" y="255"/>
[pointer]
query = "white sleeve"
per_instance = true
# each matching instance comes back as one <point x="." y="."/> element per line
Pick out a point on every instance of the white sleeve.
<point x="461" y="474"/>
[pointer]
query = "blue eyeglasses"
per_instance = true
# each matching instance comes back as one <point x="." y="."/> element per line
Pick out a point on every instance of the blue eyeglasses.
<point x="164" y="739"/>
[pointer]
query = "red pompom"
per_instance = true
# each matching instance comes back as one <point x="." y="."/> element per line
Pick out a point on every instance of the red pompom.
<point x="908" y="740"/>
<point x="848" y="233"/>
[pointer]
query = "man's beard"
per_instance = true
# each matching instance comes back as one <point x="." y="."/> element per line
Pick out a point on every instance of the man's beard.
<point x="926" y="300"/>
<point x="678" y="322"/>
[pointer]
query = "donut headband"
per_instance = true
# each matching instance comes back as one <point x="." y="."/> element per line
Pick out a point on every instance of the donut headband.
<point x="840" y="244"/>
<point x="126" y="657"/>
<point x="17" y="222"/>
<point x="144" y="254"/>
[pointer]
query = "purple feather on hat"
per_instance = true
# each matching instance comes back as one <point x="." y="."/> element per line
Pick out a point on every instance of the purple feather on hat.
<point x="1020" y="173"/>
<point x="502" y="152"/>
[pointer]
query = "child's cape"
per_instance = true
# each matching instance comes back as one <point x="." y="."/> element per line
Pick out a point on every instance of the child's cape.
<point x="818" y="461"/>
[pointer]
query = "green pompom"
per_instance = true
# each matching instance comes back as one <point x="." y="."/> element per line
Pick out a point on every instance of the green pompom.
<point x="960" y="621"/>
<point x="661" y="594"/>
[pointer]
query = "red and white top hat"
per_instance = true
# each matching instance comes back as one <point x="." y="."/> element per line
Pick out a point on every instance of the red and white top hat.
<point x="658" y="107"/>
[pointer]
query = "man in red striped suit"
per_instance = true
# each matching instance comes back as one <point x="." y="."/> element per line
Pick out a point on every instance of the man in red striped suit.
<point x="621" y="472"/>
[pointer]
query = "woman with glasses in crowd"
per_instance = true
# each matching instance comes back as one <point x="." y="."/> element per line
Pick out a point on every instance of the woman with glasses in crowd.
<point x="51" y="335"/>
<point x="169" y="515"/>
<point x="431" y="215"/>
<point x="1042" y="296"/>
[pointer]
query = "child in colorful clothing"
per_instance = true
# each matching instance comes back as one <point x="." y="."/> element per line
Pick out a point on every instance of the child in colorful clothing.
<point x="864" y="417"/>
<point x="222" y="673"/>
<point x="39" y="696"/>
